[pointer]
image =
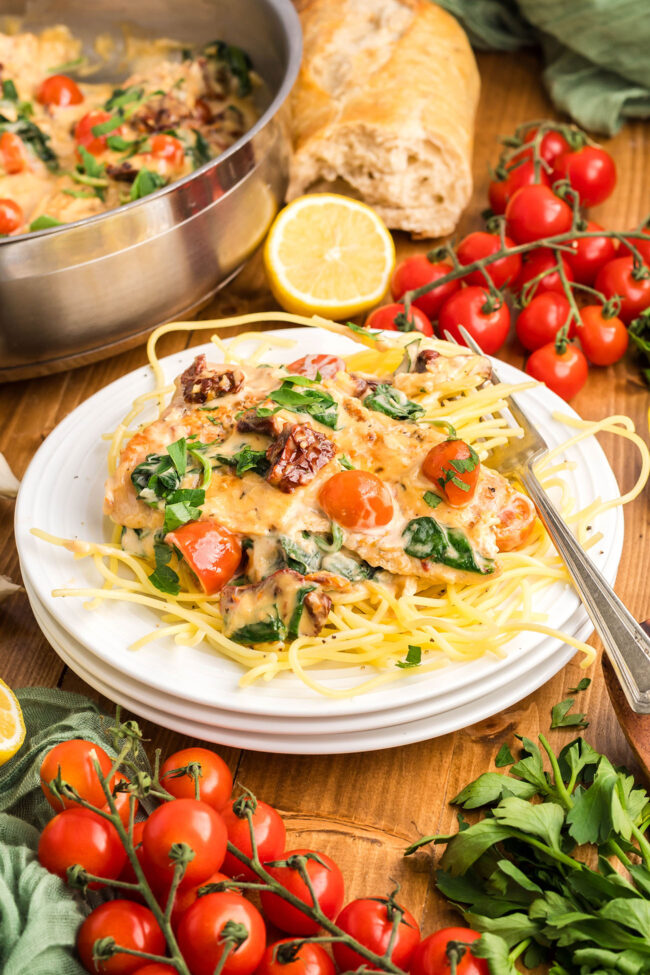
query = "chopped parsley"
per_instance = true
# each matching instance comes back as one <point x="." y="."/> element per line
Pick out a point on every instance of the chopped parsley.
<point x="145" y="182"/>
<point x="43" y="222"/>
<point x="346" y="463"/>
<point x="163" y="577"/>
<point x="413" y="658"/>
<point x="200" y="151"/>
<point x="433" y="500"/>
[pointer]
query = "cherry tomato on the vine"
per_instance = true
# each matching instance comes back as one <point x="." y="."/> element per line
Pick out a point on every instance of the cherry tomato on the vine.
<point x="13" y="155"/>
<point x="393" y="318"/>
<point x="131" y="925"/>
<point x="157" y="968"/>
<point x="11" y="216"/>
<point x="75" y="759"/>
<point x="187" y="821"/>
<point x="307" y="959"/>
<point x="565" y="372"/>
<point x="357" y="500"/>
<point x="60" y="90"/>
<point x="215" y="778"/>
<point x="370" y="921"/>
<point x="641" y="245"/>
<point x="268" y="829"/>
<point x="481" y="244"/>
<point x="591" y="171"/>
<point x="167" y="147"/>
<point x="204" y="929"/>
<point x="534" y="212"/>
<point x="212" y="552"/>
<point x="187" y="896"/>
<point x="620" y="277"/>
<point x="327" y="883"/>
<point x="80" y="836"/>
<point x="416" y="271"/>
<point x="486" y="318"/>
<point x="552" y="145"/>
<point x="539" y="322"/>
<point x="83" y="134"/>
<point x="128" y="873"/>
<point x="310" y="365"/>
<point x="431" y="958"/>
<point x="589" y="254"/>
<point x="501" y="191"/>
<point x="541" y="261"/>
<point x="604" y="340"/>
<point x="453" y="466"/>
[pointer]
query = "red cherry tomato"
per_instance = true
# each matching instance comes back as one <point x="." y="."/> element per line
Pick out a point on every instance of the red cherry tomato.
<point x="215" y="778"/>
<point x="534" y="212"/>
<point x="516" y="522"/>
<point x="327" y="882"/>
<point x="310" y="365"/>
<point x="620" y="278"/>
<point x="540" y="261"/>
<point x="416" y="271"/>
<point x="393" y="318"/>
<point x="589" y="254"/>
<point x="307" y="959"/>
<point x="480" y="244"/>
<point x="540" y="321"/>
<point x="591" y="171"/>
<point x="212" y="552"/>
<point x="441" y="466"/>
<point x="500" y="192"/>
<point x="472" y="307"/>
<point x="58" y="89"/>
<point x="80" y="836"/>
<point x="552" y="145"/>
<point x="431" y="958"/>
<point x="167" y="147"/>
<point x="604" y="340"/>
<point x="95" y="144"/>
<point x="643" y="246"/>
<point x="370" y="921"/>
<point x="11" y="216"/>
<point x="186" y="897"/>
<point x="268" y="829"/>
<point x="74" y="759"/>
<point x="203" y="940"/>
<point x="131" y="925"/>
<point x="12" y="153"/>
<point x="563" y="372"/>
<point x="185" y="821"/>
<point x="357" y="500"/>
<point x="156" y="968"/>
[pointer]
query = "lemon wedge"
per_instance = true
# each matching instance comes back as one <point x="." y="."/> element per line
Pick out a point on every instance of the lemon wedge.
<point x="328" y="255"/>
<point x="12" y="726"/>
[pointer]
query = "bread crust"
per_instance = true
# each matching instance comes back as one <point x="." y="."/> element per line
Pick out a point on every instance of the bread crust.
<point x="385" y="100"/>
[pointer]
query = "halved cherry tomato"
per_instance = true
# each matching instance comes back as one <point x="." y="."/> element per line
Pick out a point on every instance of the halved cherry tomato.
<point x="95" y="144"/>
<point x="167" y="147"/>
<point x="11" y="216"/>
<point x="268" y="829"/>
<point x="621" y="278"/>
<point x="12" y="153"/>
<point x="393" y="318"/>
<point x="565" y="372"/>
<point x="326" y="881"/>
<point x="604" y="340"/>
<point x="130" y="925"/>
<point x="591" y="171"/>
<point x="431" y="958"/>
<point x="453" y="466"/>
<point x="501" y="191"/>
<point x="311" y="365"/>
<point x="58" y="89"/>
<point x="534" y="212"/>
<point x="203" y="935"/>
<point x="357" y="500"/>
<point x="215" y="778"/>
<point x="416" y="271"/>
<point x="187" y="821"/>
<point x="516" y="522"/>
<point x="538" y="263"/>
<point x="589" y="254"/>
<point x="370" y="921"/>
<point x="212" y="552"/>
<point x="80" y="836"/>
<point x="481" y="244"/>
<point x="487" y="320"/>
<point x="307" y="959"/>
<point x="539" y="322"/>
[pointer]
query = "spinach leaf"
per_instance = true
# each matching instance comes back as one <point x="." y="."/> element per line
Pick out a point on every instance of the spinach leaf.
<point x="9" y="92"/>
<point x="200" y="151"/>
<point x="237" y="61"/>
<point x="293" y="630"/>
<point x="145" y="182"/>
<point x="360" y="330"/>
<point x="178" y="453"/>
<point x="155" y="478"/>
<point x="196" y="452"/>
<point x="300" y="559"/>
<point x="123" y="96"/>
<point x="263" y="631"/>
<point x="427" y="539"/>
<point x="335" y="544"/>
<point x="413" y="658"/>
<point x="33" y="137"/>
<point x="346" y="463"/>
<point x="314" y="402"/>
<point x="43" y="222"/>
<point x="103" y="128"/>
<point x="178" y="511"/>
<point x="392" y="402"/>
<point x="246" y="459"/>
<point x="345" y="565"/>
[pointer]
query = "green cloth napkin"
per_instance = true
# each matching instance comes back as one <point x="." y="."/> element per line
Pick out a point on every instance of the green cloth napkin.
<point x="596" y="51"/>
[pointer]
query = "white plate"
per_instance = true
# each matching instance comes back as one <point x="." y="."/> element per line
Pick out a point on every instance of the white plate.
<point x="62" y="491"/>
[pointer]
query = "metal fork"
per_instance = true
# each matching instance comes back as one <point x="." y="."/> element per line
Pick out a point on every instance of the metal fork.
<point x="627" y="645"/>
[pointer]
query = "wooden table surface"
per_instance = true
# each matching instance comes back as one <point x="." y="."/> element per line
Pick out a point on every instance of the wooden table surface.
<point x="364" y="808"/>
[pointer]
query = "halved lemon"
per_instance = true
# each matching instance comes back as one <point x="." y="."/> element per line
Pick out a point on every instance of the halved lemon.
<point x="12" y="726"/>
<point x="328" y="255"/>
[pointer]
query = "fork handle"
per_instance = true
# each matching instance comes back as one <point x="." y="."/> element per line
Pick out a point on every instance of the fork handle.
<point x="627" y="645"/>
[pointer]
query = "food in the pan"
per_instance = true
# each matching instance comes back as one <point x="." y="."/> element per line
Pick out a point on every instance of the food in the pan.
<point x="72" y="148"/>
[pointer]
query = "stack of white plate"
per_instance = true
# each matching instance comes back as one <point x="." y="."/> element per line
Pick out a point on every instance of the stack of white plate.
<point x="196" y="691"/>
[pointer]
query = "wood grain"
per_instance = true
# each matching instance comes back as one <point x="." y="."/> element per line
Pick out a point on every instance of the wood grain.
<point x="363" y="809"/>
